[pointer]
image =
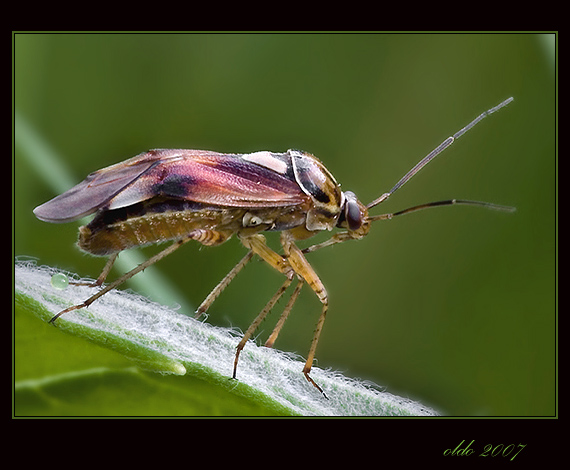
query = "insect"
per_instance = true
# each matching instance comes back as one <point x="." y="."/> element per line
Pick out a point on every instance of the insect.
<point x="205" y="196"/>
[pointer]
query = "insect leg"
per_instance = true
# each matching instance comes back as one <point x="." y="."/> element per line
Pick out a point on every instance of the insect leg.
<point x="336" y="238"/>
<point x="302" y="267"/>
<point x="260" y="318"/>
<point x="257" y="244"/>
<point x="273" y="337"/>
<point x="203" y="236"/>
<point x="205" y="305"/>
<point x="102" y="276"/>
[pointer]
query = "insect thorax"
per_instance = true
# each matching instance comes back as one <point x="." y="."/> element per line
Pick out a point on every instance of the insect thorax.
<point x="316" y="181"/>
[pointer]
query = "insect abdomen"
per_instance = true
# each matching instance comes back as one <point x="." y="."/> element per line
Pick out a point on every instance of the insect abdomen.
<point x="106" y="239"/>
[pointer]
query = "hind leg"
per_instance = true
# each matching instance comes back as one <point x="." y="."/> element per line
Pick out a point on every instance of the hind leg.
<point x="206" y="237"/>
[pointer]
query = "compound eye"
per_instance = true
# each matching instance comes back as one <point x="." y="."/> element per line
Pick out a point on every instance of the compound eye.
<point x="352" y="214"/>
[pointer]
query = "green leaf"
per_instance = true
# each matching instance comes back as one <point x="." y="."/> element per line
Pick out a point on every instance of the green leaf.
<point x="174" y="365"/>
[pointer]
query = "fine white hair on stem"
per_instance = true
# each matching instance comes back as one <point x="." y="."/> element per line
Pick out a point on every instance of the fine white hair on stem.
<point x="165" y="341"/>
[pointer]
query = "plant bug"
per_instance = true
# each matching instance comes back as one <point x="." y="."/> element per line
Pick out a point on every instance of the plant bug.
<point x="184" y="195"/>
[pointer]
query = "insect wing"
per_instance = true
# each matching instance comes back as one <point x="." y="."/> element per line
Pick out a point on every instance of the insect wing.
<point x="95" y="191"/>
<point x="213" y="178"/>
<point x="195" y="175"/>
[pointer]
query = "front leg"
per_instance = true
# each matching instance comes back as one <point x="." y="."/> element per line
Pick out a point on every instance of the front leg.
<point x="336" y="238"/>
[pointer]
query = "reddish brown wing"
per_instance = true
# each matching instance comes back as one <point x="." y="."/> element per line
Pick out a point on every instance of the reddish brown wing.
<point x="94" y="191"/>
<point x="195" y="175"/>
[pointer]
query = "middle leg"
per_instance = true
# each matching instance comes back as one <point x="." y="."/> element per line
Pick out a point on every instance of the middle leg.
<point x="205" y="305"/>
<point x="257" y="244"/>
<point x="303" y="269"/>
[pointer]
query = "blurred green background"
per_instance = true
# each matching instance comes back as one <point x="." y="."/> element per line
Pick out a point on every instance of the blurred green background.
<point x="454" y="307"/>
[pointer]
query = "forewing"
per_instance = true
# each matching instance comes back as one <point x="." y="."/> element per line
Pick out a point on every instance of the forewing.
<point x="213" y="178"/>
<point x="194" y="175"/>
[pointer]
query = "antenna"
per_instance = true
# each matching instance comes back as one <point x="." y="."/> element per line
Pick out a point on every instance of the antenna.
<point x="434" y="153"/>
